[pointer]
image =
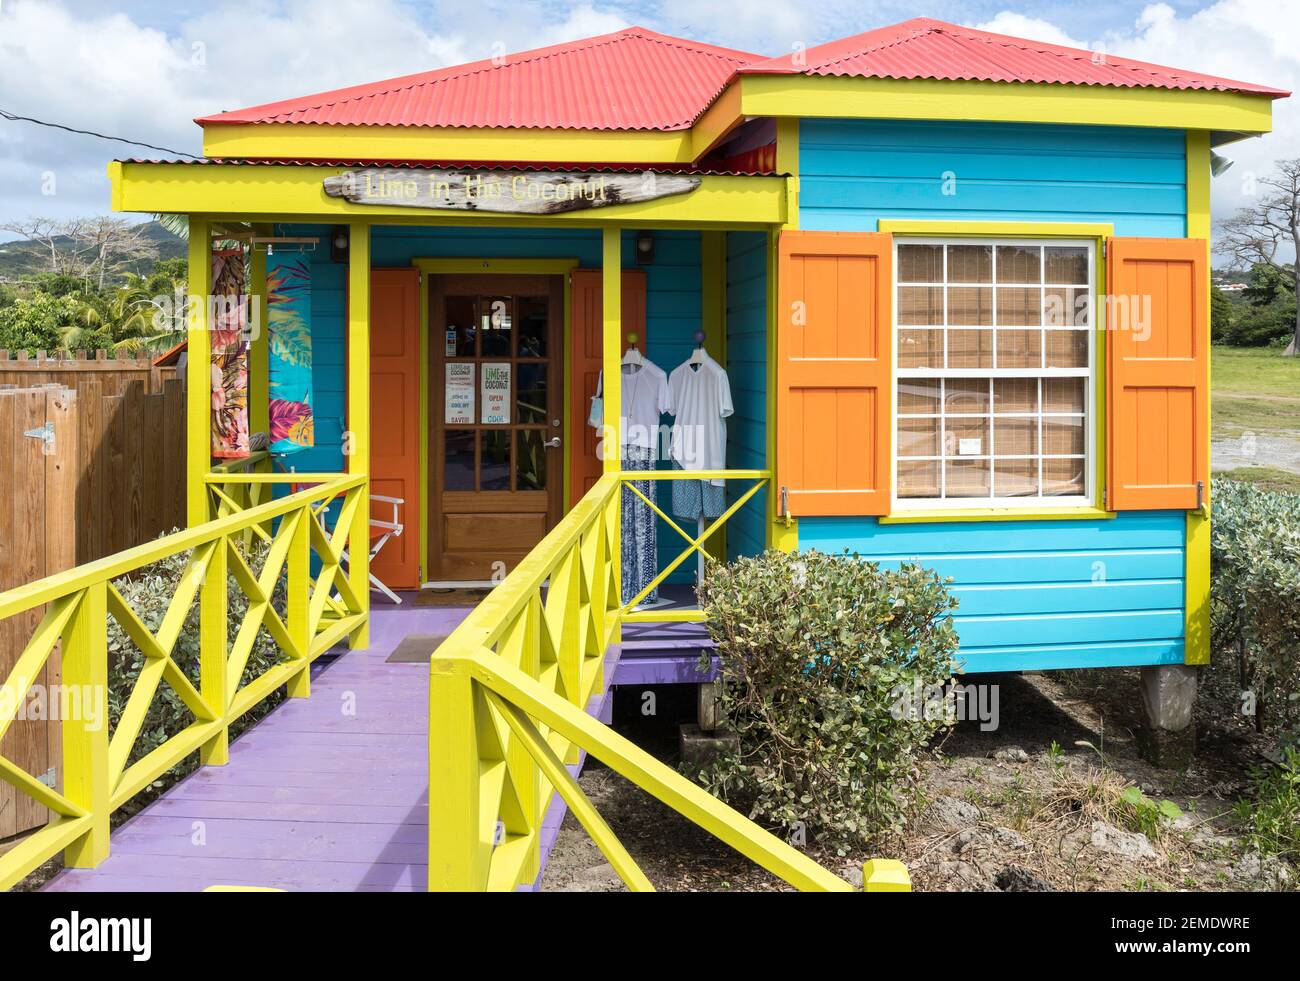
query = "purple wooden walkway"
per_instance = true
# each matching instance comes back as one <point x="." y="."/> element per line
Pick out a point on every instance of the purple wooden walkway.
<point x="330" y="793"/>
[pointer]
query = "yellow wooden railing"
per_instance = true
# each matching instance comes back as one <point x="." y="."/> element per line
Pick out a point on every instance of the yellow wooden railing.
<point x="508" y="697"/>
<point x="98" y="773"/>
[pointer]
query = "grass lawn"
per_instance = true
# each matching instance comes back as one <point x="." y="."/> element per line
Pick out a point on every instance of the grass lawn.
<point x="1255" y="389"/>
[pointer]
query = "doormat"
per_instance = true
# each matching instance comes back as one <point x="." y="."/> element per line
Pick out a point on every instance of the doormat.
<point x="461" y="596"/>
<point x="416" y="649"/>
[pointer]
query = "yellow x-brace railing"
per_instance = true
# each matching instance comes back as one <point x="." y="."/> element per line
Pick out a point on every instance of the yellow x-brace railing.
<point x="99" y="775"/>
<point x="509" y="698"/>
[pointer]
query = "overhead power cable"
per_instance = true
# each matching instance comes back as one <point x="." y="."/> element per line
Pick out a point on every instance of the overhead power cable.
<point x="12" y="117"/>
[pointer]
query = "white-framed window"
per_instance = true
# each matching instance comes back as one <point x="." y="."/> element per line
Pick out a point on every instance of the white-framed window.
<point x="994" y="368"/>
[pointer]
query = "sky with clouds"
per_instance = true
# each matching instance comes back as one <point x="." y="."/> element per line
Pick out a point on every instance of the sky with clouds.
<point x="144" y="70"/>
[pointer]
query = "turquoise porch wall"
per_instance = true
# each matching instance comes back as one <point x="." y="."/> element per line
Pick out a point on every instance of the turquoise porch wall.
<point x="1033" y="594"/>
<point x="673" y="305"/>
<point x="747" y="371"/>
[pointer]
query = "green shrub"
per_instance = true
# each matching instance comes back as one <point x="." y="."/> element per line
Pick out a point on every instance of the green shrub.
<point x="822" y="661"/>
<point x="1272" y="818"/>
<point x="149" y="592"/>
<point x="1255" y="594"/>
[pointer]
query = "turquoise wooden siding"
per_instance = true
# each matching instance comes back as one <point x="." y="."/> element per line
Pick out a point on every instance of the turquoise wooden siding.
<point x="1036" y="595"/>
<point x="855" y="172"/>
<point x="747" y="371"/>
<point x="673" y="305"/>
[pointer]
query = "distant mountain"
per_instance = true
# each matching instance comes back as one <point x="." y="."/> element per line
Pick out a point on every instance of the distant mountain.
<point x="26" y="258"/>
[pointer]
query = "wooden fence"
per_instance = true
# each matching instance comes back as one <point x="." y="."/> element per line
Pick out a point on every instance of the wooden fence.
<point x="75" y="369"/>
<point x="37" y="539"/>
<point x="111" y="477"/>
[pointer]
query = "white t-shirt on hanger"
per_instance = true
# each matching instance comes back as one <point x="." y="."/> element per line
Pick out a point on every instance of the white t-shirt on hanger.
<point x="646" y="397"/>
<point x="702" y="396"/>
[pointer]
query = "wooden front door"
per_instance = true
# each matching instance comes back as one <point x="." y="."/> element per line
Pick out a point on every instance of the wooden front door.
<point x="496" y="357"/>
<point x="395" y="420"/>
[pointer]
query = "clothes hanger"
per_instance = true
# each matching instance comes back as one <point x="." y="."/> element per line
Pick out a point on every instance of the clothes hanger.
<point x="632" y="356"/>
<point x="699" y="355"/>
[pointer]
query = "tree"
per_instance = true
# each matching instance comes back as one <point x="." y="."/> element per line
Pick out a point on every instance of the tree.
<point x="86" y="247"/>
<point x="1268" y="232"/>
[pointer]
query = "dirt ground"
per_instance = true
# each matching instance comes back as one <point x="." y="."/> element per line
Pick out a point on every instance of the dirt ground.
<point x="1004" y="810"/>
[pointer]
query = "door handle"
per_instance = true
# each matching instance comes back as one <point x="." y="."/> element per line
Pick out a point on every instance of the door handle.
<point x="553" y="443"/>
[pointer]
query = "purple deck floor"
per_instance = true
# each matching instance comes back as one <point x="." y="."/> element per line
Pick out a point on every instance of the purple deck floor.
<point x="320" y="797"/>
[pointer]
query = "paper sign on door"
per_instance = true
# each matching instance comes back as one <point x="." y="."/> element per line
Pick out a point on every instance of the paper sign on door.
<point x="495" y="394"/>
<point x="459" y="404"/>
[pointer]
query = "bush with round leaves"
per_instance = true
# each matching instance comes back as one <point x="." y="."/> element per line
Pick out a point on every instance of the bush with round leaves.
<point x="1255" y="596"/>
<point x="823" y="659"/>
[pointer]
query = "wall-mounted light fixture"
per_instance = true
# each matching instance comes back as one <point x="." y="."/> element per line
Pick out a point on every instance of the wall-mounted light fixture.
<point x="339" y="243"/>
<point x="645" y="248"/>
<point x="1219" y="164"/>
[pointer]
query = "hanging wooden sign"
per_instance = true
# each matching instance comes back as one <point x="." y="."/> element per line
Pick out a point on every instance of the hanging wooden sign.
<point x="531" y="193"/>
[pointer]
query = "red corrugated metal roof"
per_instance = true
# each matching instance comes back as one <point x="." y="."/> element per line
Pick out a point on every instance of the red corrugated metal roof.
<point x="633" y="79"/>
<point x="925" y="48"/>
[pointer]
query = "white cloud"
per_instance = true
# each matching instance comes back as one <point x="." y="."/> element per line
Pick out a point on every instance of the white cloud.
<point x="107" y="73"/>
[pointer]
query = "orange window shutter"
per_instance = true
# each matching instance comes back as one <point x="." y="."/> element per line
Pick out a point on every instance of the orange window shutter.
<point x="834" y="373"/>
<point x="1158" y="380"/>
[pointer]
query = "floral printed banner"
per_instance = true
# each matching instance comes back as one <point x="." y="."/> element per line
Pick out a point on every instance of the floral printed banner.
<point x="288" y="314"/>
<point x="229" y="356"/>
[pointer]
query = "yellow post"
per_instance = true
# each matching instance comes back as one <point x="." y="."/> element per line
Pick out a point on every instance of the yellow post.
<point x="457" y="859"/>
<point x="259" y="385"/>
<point x="198" y="373"/>
<point x="85" y="736"/>
<point x="298" y="603"/>
<point x="213" y="650"/>
<point x="885" y="875"/>
<point x="1196" y="583"/>
<point x="357" y="445"/>
<point x="611" y="299"/>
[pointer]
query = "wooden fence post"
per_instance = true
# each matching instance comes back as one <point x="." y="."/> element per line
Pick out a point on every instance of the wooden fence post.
<point x="213" y="651"/>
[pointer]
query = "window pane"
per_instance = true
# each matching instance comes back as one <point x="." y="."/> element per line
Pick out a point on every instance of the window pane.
<point x="1015" y="395"/>
<point x="1020" y="349"/>
<point x="458" y="460"/>
<point x="530" y="460"/>
<point x="1063" y="435"/>
<point x="970" y="264"/>
<point x="460" y="328"/>
<point x="920" y="306"/>
<point x="918" y="436"/>
<point x="966" y="436"/>
<point x="1067" y="349"/>
<point x="1015" y="436"/>
<point x="918" y="395"/>
<point x="496" y="320"/>
<point x="1064" y="307"/>
<point x="495" y="468"/>
<point x="918" y="479"/>
<point x="966" y="396"/>
<point x="533" y="316"/>
<point x="920" y="263"/>
<point x="1019" y="264"/>
<point x="920" y="349"/>
<point x="1067" y="265"/>
<point x="1015" y="478"/>
<point x="970" y="306"/>
<point x="1020" y="307"/>
<point x="1063" y="394"/>
<point x="970" y="349"/>
<point x="530" y="393"/>
<point x="1063" y="477"/>
<point x="967" y="478"/>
